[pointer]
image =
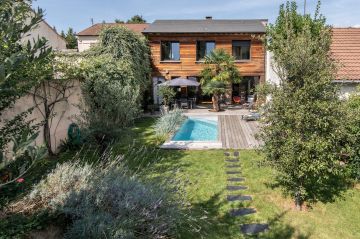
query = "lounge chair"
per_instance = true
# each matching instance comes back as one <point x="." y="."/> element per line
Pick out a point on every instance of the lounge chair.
<point x="252" y="116"/>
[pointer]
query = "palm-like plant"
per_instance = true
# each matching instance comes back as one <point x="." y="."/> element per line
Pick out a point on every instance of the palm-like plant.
<point x="219" y="72"/>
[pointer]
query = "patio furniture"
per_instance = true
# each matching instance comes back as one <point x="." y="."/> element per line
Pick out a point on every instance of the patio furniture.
<point x="184" y="102"/>
<point x="253" y="116"/>
<point x="237" y="99"/>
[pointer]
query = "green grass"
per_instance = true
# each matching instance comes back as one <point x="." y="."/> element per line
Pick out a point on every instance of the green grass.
<point x="205" y="171"/>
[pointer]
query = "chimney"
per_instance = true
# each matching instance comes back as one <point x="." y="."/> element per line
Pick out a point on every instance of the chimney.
<point x="208" y="17"/>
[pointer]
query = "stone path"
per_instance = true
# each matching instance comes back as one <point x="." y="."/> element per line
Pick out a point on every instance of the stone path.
<point x="234" y="173"/>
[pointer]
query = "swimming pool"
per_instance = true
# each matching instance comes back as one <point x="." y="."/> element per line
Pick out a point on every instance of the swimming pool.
<point x="198" y="129"/>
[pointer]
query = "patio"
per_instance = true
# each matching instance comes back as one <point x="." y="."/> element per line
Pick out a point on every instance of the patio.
<point x="233" y="131"/>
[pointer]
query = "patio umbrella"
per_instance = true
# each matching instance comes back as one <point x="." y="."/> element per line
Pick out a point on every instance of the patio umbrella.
<point x="180" y="82"/>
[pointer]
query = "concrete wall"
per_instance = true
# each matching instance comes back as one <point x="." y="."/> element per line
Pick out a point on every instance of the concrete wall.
<point x="44" y="30"/>
<point x="65" y="114"/>
<point x="271" y="76"/>
<point x="85" y="42"/>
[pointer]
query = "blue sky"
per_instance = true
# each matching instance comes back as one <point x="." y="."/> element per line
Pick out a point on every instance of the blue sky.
<point x="77" y="13"/>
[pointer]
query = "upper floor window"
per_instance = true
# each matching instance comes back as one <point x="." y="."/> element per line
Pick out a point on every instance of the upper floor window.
<point x="241" y="50"/>
<point x="203" y="48"/>
<point x="170" y="51"/>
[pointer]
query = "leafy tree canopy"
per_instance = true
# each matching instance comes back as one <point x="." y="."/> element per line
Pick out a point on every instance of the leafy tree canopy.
<point x="218" y="73"/>
<point x="303" y="127"/>
<point x="136" y="19"/>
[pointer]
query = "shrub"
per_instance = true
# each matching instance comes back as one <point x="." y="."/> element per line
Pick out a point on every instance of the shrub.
<point x="116" y="74"/>
<point x="168" y="124"/>
<point x="107" y="200"/>
<point x="352" y="107"/>
<point x="52" y="191"/>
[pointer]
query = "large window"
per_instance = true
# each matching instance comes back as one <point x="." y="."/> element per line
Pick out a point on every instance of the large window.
<point x="241" y="50"/>
<point x="203" y="48"/>
<point x="170" y="51"/>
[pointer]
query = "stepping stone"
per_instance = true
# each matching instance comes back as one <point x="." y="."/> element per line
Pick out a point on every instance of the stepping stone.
<point x="235" y="188"/>
<point x="234" y="166"/>
<point x="253" y="229"/>
<point x="236" y="154"/>
<point x="226" y="153"/>
<point x="242" y="212"/>
<point x="232" y="198"/>
<point x="236" y="179"/>
<point x="233" y="172"/>
<point x="232" y="160"/>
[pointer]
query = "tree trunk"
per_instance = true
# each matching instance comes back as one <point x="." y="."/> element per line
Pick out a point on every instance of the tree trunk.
<point x="298" y="202"/>
<point x="215" y="101"/>
<point x="47" y="114"/>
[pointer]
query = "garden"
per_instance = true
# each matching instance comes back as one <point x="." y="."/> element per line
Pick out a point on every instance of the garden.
<point x="111" y="180"/>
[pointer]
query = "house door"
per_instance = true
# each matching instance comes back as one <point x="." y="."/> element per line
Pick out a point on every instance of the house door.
<point x="156" y="82"/>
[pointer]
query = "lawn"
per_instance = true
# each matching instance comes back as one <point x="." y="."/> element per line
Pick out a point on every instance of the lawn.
<point x="205" y="177"/>
<point x="206" y="190"/>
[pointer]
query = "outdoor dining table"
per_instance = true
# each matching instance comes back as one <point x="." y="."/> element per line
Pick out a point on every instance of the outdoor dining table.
<point x="190" y="103"/>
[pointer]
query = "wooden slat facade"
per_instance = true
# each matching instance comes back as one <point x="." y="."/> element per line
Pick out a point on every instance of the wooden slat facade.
<point x="188" y="66"/>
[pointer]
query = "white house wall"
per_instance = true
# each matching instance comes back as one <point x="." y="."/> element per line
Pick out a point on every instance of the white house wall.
<point x="85" y="42"/>
<point x="44" y="30"/>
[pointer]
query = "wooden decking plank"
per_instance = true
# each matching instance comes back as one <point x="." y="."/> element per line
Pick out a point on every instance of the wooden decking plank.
<point x="236" y="133"/>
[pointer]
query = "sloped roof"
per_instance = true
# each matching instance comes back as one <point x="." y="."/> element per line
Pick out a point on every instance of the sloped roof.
<point x="207" y="26"/>
<point x="345" y="50"/>
<point x="96" y="29"/>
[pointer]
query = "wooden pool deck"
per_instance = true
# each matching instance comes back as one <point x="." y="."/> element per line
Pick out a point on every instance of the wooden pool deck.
<point x="235" y="133"/>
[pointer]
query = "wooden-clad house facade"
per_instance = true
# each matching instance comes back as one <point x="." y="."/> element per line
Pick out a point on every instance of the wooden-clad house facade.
<point x="178" y="48"/>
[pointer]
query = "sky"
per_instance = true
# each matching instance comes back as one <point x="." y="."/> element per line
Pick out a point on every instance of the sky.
<point x="78" y="13"/>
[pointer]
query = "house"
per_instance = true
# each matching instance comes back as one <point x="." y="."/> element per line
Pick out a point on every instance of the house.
<point x="90" y="35"/>
<point x="345" y="50"/>
<point x="55" y="41"/>
<point x="178" y="48"/>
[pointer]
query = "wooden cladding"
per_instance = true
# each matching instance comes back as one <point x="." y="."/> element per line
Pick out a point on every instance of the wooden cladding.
<point x="189" y="66"/>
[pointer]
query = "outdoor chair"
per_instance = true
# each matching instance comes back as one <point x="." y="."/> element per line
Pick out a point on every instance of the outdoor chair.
<point x="184" y="103"/>
<point x="237" y="99"/>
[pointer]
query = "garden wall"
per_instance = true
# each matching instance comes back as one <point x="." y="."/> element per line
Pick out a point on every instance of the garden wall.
<point x="65" y="114"/>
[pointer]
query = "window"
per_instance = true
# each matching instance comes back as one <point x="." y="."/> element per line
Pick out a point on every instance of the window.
<point x="241" y="50"/>
<point x="170" y="51"/>
<point x="203" y="48"/>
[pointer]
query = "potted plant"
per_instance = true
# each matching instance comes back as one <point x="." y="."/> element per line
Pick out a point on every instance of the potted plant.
<point x="167" y="93"/>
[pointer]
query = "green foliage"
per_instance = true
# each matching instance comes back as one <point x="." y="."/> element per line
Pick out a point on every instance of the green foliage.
<point x="303" y="127"/>
<point x="119" y="21"/>
<point x="116" y="74"/>
<point x="70" y="37"/>
<point x="352" y="107"/>
<point x="106" y="200"/>
<point x="219" y="72"/>
<point x="167" y="124"/>
<point x="136" y="19"/>
<point x="167" y="93"/>
<point x="16" y="61"/>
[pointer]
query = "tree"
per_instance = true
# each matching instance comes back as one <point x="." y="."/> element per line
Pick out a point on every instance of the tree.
<point x="17" y="61"/>
<point x="70" y="37"/>
<point x="119" y="21"/>
<point x="57" y="80"/>
<point x="167" y="93"/>
<point x="136" y="19"/>
<point x="219" y="72"/>
<point x="116" y="74"/>
<point x="303" y="128"/>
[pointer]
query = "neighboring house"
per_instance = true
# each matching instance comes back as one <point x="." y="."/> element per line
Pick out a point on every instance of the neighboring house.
<point x="178" y="48"/>
<point x="345" y="50"/>
<point x="43" y="29"/>
<point x="90" y="36"/>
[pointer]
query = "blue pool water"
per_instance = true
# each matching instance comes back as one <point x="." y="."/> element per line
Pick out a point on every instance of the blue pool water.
<point x="197" y="129"/>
